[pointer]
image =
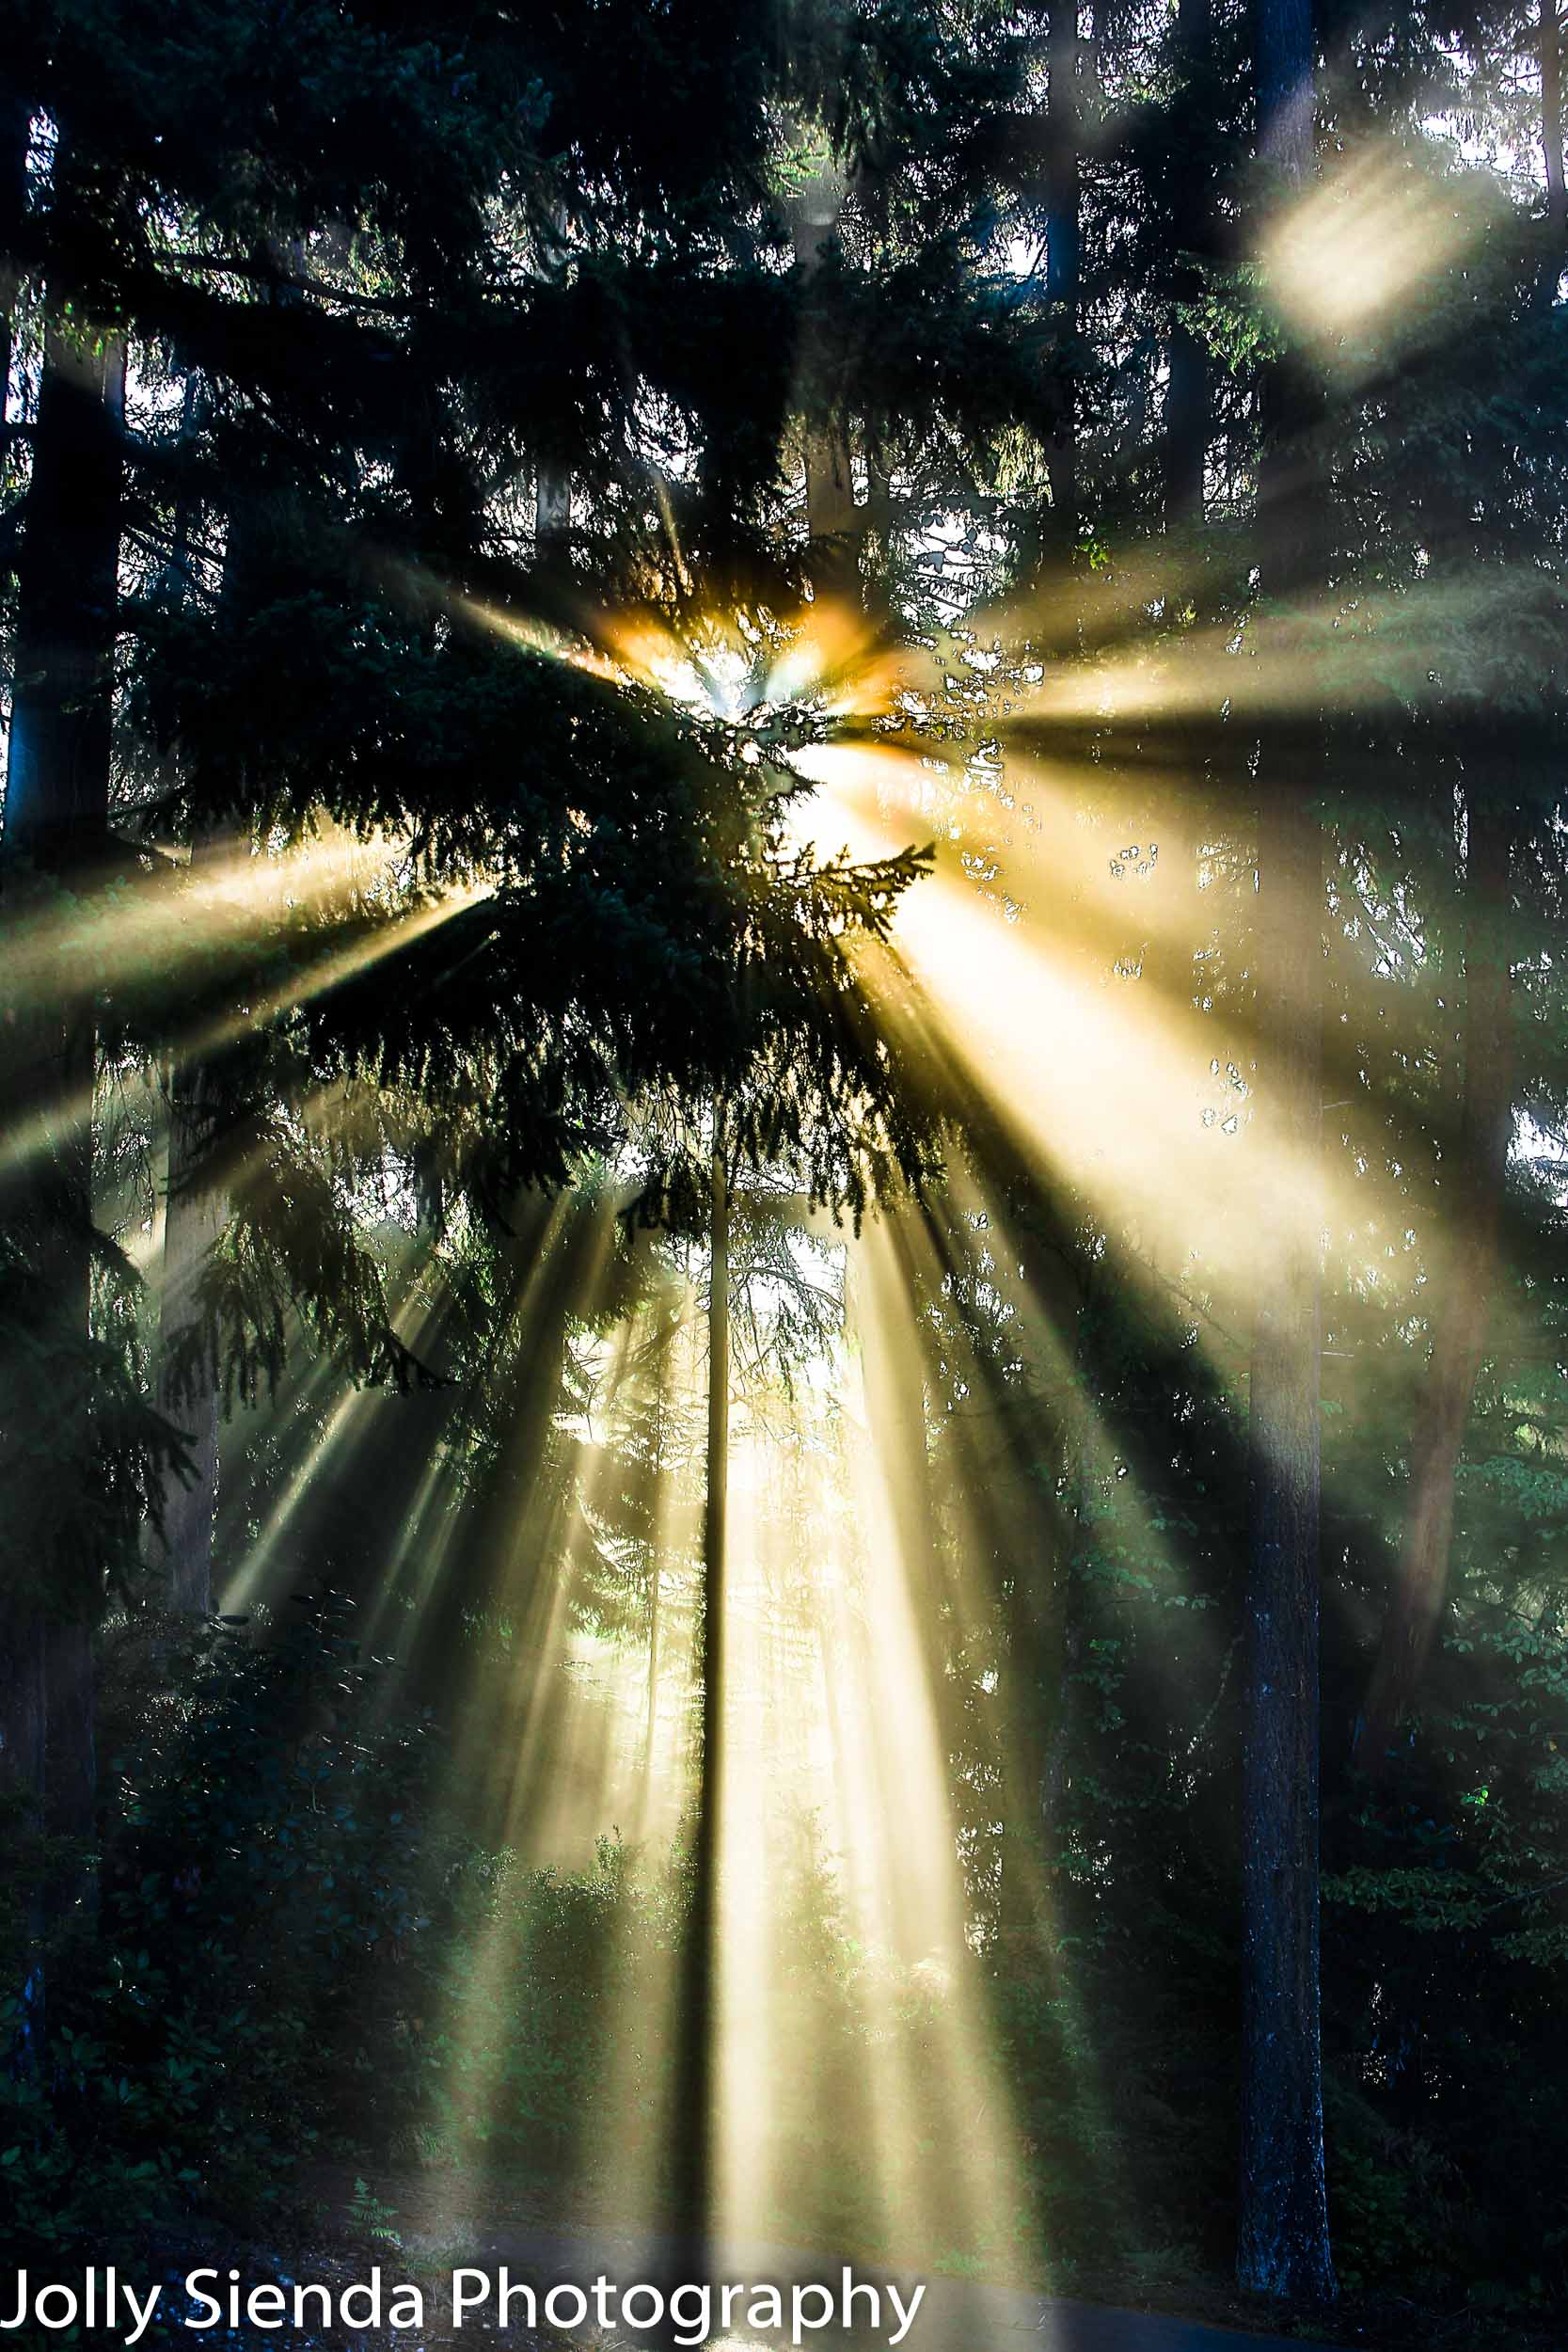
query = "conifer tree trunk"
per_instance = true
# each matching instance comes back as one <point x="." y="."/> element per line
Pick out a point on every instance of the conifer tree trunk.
<point x="1045" y="1651"/>
<point x="834" y="522"/>
<point x="193" y="1213"/>
<point x="23" y="1709"/>
<point x="1551" y="124"/>
<point x="1284" y="2220"/>
<point x="57" y="816"/>
<point x="696" y="2075"/>
<point x="655" y="1598"/>
<point x="1187" y="414"/>
<point x="13" y="205"/>
<point x="552" y="507"/>
<point x="187" y="1391"/>
<point x="552" y="489"/>
<point x="650" y="1726"/>
<point x="1064" y="249"/>
<point x="1283" y="2247"/>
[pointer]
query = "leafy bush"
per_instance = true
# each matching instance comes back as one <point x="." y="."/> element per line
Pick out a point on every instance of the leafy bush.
<point x="264" y="1887"/>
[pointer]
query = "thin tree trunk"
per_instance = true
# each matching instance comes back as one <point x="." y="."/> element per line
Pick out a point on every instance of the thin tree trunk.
<point x="552" y="507"/>
<point x="654" y="1601"/>
<point x="1551" y="125"/>
<point x="23" y="1682"/>
<point x="24" y="1738"/>
<point x="57" y="816"/>
<point x="194" y="1215"/>
<point x="1187" y="414"/>
<point x="1025" y="1755"/>
<point x="1284" y="2220"/>
<point x="696" y="2078"/>
<point x="834" y="522"/>
<point x="13" y="206"/>
<point x="1044" y="1647"/>
<point x="552" y="489"/>
<point x="1474" y="1221"/>
<point x="1064" y="251"/>
<point x="1284" y="2247"/>
<point x="849" y="1861"/>
<point x="194" y="1212"/>
<point x="58" y="779"/>
<point x="1284" y="54"/>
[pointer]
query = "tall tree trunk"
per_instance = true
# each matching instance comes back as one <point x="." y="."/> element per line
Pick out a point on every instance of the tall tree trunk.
<point x="1284" y="2220"/>
<point x="24" y="1738"/>
<point x="187" y="1389"/>
<point x="194" y="1215"/>
<point x="1284" y="2247"/>
<point x="1283" y="39"/>
<point x="696" y="2077"/>
<point x="1473" y="1219"/>
<point x="58" y="780"/>
<point x="57" y="818"/>
<point x="13" y="207"/>
<point x="1187" y="414"/>
<point x="1064" y="251"/>
<point x="24" y="1684"/>
<point x="655" y="1596"/>
<point x="552" y="508"/>
<point x="552" y="489"/>
<point x="1551" y="127"/>
<point x="834" y="522"/>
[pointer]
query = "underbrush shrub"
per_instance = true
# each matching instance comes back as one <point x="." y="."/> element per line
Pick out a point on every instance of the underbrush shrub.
<point x="268" y="1885"/>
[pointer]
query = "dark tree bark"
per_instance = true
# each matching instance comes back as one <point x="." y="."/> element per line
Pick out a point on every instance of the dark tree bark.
<point x="1187" y="414"/>
<point x="696" y="2075"/>
<point x="552" y="488"/>
<point x="13" y="206"/>
<point x="194" y="1207"/>
<point x="1283" y="58"/>
<point x="834" y="524"/>
<point x="1474" y="1220"/>
<point x="187" y="1391"/>
<point x="58" y="780"/>
<point x="552" y="508"/>
<point x="1283" y="2217"/>
<point x="24" y="1707"/>
<point x="57" y="818"/>
<point x="1064" y="249"/>
<point x="1551" y="125"/>
<point x="1283" y="2238"/>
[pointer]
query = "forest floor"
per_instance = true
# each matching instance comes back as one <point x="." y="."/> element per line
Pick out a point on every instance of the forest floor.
<point x="424" y="2226"/>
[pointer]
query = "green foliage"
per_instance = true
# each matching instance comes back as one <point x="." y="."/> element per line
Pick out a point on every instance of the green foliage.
<point x="266" y="1863"/>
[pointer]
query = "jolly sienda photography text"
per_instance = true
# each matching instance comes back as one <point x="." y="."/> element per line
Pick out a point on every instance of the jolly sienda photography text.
<point x="105" y="2302"/>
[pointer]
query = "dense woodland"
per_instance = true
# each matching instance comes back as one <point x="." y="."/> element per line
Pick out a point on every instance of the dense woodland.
<point x="785" y="1131"/>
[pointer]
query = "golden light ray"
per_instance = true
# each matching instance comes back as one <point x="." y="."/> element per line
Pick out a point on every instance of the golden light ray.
<point x="328" y="1454"/>
<point x="520" y="1750"/>
<point x="1102" y="1079"/>
<point x="1355" y="252"/>
<point x="67" y="1111"/>
<point x="562" y="1760"/>
<point x="832" y="1718"/>
<point x="180" y="914"/>
<point x="836" y="1758"/>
